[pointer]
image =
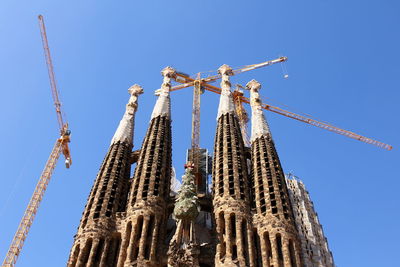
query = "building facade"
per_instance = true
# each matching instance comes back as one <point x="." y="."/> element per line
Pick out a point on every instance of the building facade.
<point x="314" y="245"/>
<point x="250" y="218"/>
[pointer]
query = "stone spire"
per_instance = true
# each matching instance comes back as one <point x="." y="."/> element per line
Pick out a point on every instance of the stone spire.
<point x="163" y="106"/>
<point x="95" y="244"/>
<point x="146" y="215"/>
<point x="124" y="132"/>
<point x="259" y="125"/>
<point x="231" y="194"/>
<point x="225" y="101"/>
<point x="276" y="238"/>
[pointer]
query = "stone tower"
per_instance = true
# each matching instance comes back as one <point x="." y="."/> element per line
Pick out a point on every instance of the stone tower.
<point x="124" y="220"/>
<point x="97" y="241"/>
<point x="231" y="194"/>
<point x="247" y="219"/>
<point x="275" y="235"/>
<point x="314" y="245"/>
<point x="147" y="204"/>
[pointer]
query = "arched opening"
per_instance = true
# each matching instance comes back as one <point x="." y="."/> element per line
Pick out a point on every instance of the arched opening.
<point x="279" y="249"/>
<point x="75" y="255"/>
<point x="292" y="254"/>
<point x="221" y="225"/>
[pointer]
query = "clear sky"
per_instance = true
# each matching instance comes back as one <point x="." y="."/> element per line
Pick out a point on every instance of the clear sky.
<point x="344" y="66"/>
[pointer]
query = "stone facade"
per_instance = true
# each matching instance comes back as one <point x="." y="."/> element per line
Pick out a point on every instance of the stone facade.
<point x="275" y="235"/>
<point x="247" y="219"/>
<point x="314" y="245"/>
<point x="231" y="194"/>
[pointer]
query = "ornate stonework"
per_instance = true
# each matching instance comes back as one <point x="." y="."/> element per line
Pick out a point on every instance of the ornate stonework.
<point x="247" y="220"/>
<point x="276" y="238"/>
<point x="314" y="245"/>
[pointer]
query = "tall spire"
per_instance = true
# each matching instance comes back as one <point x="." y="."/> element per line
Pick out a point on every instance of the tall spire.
<point x="276" y="238"/>
<point x="163" y="106"/>
<point x="226" y="101"/>
<point x="95" y="244"/>
<point x="147" y="208"/>
<point x="124" y="132"/>
<point x="259" y="125"/>
<point x="231" y="194"/>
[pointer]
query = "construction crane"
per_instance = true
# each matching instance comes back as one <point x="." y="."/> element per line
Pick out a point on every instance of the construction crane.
<point x="195" y="138"/>
<point x="198" y="89"/>
<point x="60" y="146"/>
<point x="241" y="113"/>
<point x="239" y="99"/>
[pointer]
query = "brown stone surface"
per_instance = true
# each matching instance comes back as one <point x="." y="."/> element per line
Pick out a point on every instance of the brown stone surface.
<point x="247" y="219"/>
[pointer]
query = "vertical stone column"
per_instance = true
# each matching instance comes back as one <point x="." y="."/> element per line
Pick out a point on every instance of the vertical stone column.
<point x="230" y="182"/>
<point x="273" y="214"/>
<point x="149" y="192"/>
<point x="109" y="192"/>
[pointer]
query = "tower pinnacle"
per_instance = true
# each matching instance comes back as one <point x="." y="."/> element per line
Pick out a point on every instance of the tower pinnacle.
<point x="226" y="102"/>
<point x="163" y="106"/>
<point x="124" y="132"/>
<point x="259" y="125"/>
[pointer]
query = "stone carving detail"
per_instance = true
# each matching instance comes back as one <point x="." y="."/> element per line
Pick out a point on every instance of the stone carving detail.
<point x="124" y="132"/>
<point x="259" y="125"/>
<point x="183" y="248"/>
<point x="247" y="220"/>
<point x="226" y="104"/>
<point x="276" y="235"/>
<point x="314" y="245"/>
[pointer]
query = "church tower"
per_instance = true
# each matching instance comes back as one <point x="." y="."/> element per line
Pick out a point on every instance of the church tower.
<point x="231" y="194"/>
<point x="146" y="216"/>
<point x="275" y="236"/>
<point x="250" y="219"/>
<point x="96" y="243"/>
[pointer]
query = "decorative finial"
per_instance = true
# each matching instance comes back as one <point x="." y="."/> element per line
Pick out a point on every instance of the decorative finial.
<point x="225" y="70"/>
<point x="162" y="106"/>
<point x="226" y="101"/>
<point x="135" y="90"/>
<point x="124" y="132"/>
<point x="253" y="85"/>
<point x="259" y="125"/>
<point x="168" y="72"/>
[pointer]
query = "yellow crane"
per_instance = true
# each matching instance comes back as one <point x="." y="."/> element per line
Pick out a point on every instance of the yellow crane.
<point x="187" y="81"/>
<point x="198" y="89"/>
<point x="60" y="146"/>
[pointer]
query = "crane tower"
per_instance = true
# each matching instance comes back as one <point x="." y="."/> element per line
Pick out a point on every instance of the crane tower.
<point x="60" y="147"/>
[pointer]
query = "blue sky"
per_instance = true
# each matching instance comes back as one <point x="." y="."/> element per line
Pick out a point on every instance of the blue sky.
<point x="343" y="67"/>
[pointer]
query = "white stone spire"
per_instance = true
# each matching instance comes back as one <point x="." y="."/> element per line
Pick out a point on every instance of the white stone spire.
<point x="259" y="125"/>
<point x="124" y="131"/>
<point x="225" y="101"/>
<point x="163" y="106"/>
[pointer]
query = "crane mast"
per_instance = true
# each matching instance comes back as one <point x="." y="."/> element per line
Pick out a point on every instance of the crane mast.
<point x="195" y="146"/>
<point x="197" y="83"/>
<point x="60" y="146"/>
<point x="241" y="113"/>
<point x="30" y="212"/>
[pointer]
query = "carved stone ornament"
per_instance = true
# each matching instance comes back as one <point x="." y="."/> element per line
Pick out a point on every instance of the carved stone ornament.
<point x="225" y="70"/>
<point x="253" y="85"/>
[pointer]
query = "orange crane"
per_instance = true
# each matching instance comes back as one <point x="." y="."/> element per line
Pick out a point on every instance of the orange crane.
<point x="239" y="99"/>
<point x="60" y="146"/>
<point x="241" y="113"/>
<point x="198" y="89"/>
